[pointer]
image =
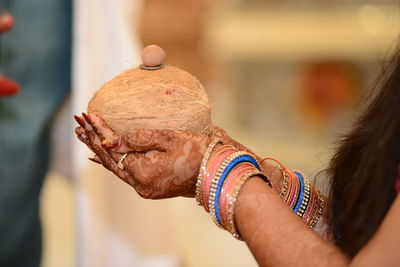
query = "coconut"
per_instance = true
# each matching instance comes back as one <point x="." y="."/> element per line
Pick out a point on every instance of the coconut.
<point x="153" y="96"/>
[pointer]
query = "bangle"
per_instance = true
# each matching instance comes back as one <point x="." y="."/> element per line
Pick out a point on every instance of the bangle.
<point x="215" y="181"/>
<point x="319" y="210"/>
<point x="301" y="196"/>
<point x="304" y="194"/>
<point x="220" y="177"/>
<point x="301" y="193"/>
<point x="222" y="173"/>
<point x="311" y="208"/>
<point x="211" y="168"/>
<point x="233" y="198"/>
<point x="294" y="190"/>
<point x="202" y="170"/>
<point x="285" y="185"/>
<point x="228" y="187"/>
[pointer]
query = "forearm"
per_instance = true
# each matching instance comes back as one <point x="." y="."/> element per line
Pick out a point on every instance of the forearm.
<point x="275" y="235"/>
<point x="275" y="176"/>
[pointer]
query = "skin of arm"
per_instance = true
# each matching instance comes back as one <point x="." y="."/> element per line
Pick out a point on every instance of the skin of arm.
<point x="274" y="233"/>
<point x="278" y="237"/>
<point x="384" y="247"/>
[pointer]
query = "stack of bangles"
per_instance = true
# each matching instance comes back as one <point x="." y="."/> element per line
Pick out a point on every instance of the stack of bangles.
<point x="223" y="172"/>
<point x="301" y="195"/>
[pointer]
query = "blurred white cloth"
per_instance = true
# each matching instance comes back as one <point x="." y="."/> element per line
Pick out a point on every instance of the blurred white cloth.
<point x="105" y="43"/>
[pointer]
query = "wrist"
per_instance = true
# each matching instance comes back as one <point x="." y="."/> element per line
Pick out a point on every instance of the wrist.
<point x="274" y="174"/>
<point x="223" y="172"/>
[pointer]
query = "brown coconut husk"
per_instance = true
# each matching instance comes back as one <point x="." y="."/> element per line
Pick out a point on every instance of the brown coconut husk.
<point x="167" y="98"/>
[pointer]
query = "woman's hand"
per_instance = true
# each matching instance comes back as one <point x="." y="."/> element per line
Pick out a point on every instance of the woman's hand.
<point x="158" y="163"/>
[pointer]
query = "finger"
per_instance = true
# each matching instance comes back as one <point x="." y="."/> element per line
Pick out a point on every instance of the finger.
<point x="86" y="137"/>
<point x="87" y="118"/>
<point x="102" y="156"/>
<point x="99" y="128"/>
<point x="80" y="121"/>
<point x="81" y="134"/>
<point x="109" y="139"/>
<point x="95" y="159"/>
<point x="90" y="126"/>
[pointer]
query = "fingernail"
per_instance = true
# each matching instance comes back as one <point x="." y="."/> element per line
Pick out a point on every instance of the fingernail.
<point x="79" y="130"/>
<point x="79" y="121"/>
<point x="95" y="159"/>
<point x="116" y="143"/>
<point x="89" y="120"/>
<point x="107" y="144"/>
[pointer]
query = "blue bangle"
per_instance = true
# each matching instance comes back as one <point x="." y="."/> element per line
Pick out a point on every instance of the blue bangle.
<point x="229" y="167"/>
<point x="301" y="192"/>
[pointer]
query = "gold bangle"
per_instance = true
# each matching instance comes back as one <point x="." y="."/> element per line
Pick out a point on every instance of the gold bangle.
<point x="285" y="184"/>
<point x="233" y="199"/>
<point x="320" y="209"/>
<point x="215" y="181"/>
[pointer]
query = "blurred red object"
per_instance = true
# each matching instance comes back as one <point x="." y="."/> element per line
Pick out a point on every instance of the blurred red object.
<point x="8" y="87"/>
<point x="7" y="21"/>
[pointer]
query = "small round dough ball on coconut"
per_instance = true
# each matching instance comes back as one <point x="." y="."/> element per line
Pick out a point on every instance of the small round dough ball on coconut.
<point x="153" y="96"/>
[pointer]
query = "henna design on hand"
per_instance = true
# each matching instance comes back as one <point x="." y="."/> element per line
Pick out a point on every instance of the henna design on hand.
<point x="159" y="163"/>
<point x="86" y="135"/>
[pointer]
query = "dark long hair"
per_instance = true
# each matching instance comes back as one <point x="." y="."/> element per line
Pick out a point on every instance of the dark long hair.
<point x="363" y="171"/>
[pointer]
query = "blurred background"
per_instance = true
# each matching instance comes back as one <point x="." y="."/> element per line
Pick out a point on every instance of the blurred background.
<point x="285" y="78"/>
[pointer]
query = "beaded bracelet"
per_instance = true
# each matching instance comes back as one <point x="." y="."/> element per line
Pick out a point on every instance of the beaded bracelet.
<point x="211" y="168"/>
<point x="295" y="190"/>
<point x="202" y="170"/>
<point x="222" y="174"/>
<point x="216" y="182"/>
<point x="228" y="188"/>
<point x="304" y="194"/>
<point x="317" y="216"/>
<point x="310" y="211"/>
<point x="230" y="166"/>
<point x="301" y="196"/>
<point x="285" y="185"/>
<point x="233" y="198"/>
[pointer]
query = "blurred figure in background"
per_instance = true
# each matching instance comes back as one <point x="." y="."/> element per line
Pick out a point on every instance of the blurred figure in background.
<point x="36" y="54"/>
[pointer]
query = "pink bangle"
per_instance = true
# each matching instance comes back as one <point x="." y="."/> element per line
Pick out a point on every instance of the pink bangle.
<point x="319" y="210"/>
<point x="210" y="172"/>
<point x="311" y="207"/>
<point x="228" y="187"/>
<point x="202" y="170"/>
<point x="294" y="194"/>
